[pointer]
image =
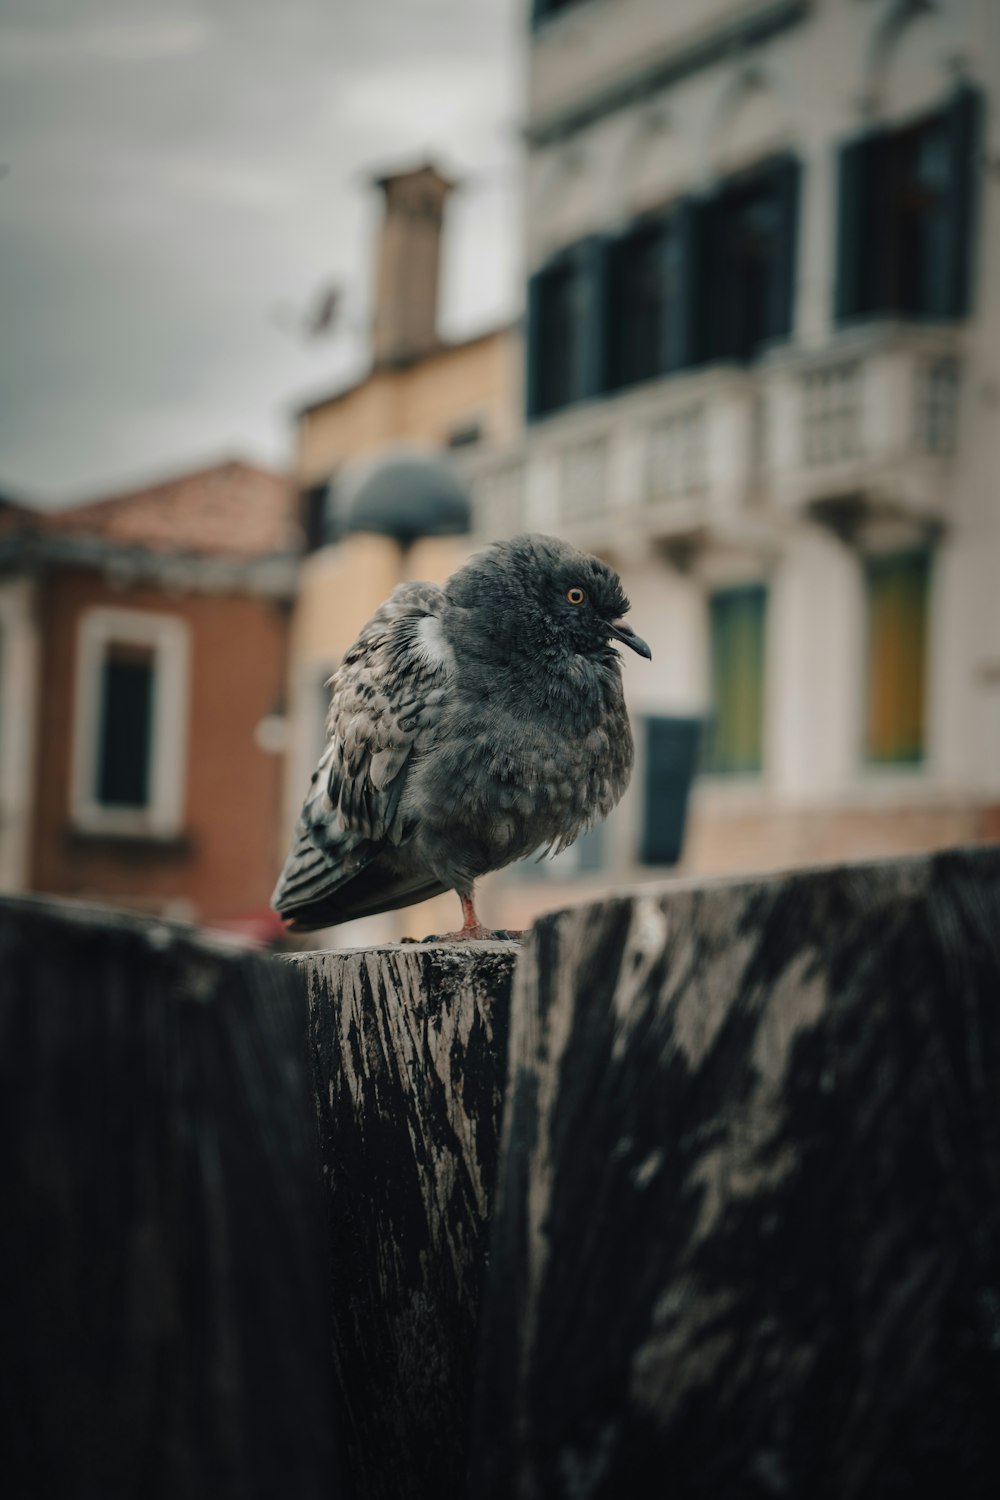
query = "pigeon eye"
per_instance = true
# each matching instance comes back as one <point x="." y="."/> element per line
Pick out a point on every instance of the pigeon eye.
<point x="575" y="596"/>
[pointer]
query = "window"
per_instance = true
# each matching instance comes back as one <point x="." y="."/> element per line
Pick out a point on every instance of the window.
<point x="705" y="280"/>
<point x="897" y="588"/>
<point x="640" y="271"/>
<point x="566" y="328"/>
<point x="465" y="434"/>
<point x="318" y="514"/>
<point x="130" y="727"/>
<point x="905" y="217"/>
<point x="736" y="637"/>
<point x="747" y="236"/>
<point x="125" y="725"/>
<point x="671" y="760"/>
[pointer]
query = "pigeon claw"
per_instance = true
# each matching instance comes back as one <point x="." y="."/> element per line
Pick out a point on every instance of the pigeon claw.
<point x="472" y="930"/>
<point x="476" y="934"/>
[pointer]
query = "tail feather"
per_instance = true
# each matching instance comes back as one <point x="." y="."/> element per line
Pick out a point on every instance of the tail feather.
<point x="350" y="878"/>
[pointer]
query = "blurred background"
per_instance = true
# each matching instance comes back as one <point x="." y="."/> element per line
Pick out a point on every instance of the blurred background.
<point x="297" y="302"/>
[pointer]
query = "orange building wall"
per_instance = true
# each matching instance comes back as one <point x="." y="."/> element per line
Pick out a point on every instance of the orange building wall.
<point x="225" y="861"/>
<point x="421" y="405"/>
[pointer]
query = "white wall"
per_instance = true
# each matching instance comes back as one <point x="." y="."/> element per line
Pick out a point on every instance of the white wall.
<point x="809" y="89"/>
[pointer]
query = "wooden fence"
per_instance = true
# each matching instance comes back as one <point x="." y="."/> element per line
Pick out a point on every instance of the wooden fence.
<point x="697" y="1193"/>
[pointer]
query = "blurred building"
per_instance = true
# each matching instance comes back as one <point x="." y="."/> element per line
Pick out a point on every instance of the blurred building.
<point x="143" y="645"/>
<point x="762" y="376"/>
<point x="379" y="467"/>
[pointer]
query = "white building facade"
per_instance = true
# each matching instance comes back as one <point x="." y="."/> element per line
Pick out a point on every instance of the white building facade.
<point x="762" y="377"/>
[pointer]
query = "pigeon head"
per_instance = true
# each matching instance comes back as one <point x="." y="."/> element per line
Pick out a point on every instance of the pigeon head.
<point x="533" y="595"/>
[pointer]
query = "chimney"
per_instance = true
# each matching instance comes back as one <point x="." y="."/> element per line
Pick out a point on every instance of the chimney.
<point x="409" y="254"/>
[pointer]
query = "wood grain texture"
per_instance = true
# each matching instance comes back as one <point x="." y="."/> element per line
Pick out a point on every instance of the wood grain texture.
<point x="162" y="1270"/>
<point x="410" y="1050"/>
<point x="747" y="1231"/>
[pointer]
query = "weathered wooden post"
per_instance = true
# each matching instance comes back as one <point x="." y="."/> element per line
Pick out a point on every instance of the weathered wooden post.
<point x="747" y="1231"/>
<point x="410" y="1052"/>
<point x="162" y="1262"/>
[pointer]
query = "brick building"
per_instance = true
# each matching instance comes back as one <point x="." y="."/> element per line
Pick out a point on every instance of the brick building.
<point x="142" y="673"/>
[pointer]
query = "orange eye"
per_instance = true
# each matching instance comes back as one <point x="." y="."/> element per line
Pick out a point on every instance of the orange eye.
<point x="575" y="596"/>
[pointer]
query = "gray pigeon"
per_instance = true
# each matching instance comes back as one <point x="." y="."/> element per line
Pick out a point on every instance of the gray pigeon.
<point x="469" y="725"/>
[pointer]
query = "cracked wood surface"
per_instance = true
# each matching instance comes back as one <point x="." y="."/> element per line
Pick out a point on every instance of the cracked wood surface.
<point x="747" y="1231"/>
<point x="162" y="1266"/>
<point x="410" y="1051"/>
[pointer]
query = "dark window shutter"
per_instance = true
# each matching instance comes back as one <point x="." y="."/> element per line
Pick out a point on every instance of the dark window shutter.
<point x="617" y="299"/>
<point x="851" y="241"/>
<point x="683" y="285"/>
<point x="964" y="133"/>
<point x="566" y="347"/>
<point x="848" y="294"/>
<point x="593" y="260"/>
<point x="671" y="759"/>
<point x="721" y="288"/>
<point x="533" y="349"/>
<point x="637" y="272"/>
<point x="781" y="313"/>
<point x="706" y="277"/>
<point x="867" y="229"/>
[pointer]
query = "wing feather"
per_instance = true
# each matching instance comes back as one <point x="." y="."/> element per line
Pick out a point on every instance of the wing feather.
<point x="386" y="703"/>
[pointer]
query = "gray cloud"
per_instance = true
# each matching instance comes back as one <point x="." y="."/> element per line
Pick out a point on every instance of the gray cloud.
<point x="178" y="173"/>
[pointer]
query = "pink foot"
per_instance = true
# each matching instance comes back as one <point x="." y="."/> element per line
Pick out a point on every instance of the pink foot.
<point x="475" y="934"/>
<point x="472" y="930"/>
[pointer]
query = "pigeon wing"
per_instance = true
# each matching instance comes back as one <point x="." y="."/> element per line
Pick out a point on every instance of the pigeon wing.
<point x="385" y="707"/>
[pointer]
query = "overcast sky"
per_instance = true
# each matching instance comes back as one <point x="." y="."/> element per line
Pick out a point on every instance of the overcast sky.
<point x="180" y="177"/>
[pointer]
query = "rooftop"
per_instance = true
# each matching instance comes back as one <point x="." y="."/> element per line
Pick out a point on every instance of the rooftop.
<point x="230" y="510"/>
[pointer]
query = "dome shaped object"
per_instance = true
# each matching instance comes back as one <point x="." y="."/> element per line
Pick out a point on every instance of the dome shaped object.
<point x="408" y="496"/>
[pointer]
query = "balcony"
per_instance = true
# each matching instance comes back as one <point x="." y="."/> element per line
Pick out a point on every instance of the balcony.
<point x="875" y="419"/>
<point x="867" y="426"/>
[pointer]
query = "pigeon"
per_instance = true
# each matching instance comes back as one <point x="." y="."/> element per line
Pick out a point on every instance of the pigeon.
<point x="470" y="725"/>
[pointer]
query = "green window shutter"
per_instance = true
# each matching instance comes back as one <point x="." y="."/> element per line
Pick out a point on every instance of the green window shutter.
<point x="736" y="628"/>
<point x="671" y="761"/>
<point x="898" y="588"/>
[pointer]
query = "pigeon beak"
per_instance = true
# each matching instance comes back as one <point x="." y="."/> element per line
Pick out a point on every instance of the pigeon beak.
<point x="628" y="637"/>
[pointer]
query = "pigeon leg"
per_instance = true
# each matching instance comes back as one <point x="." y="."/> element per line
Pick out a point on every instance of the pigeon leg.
<point x="472" y="930"/>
